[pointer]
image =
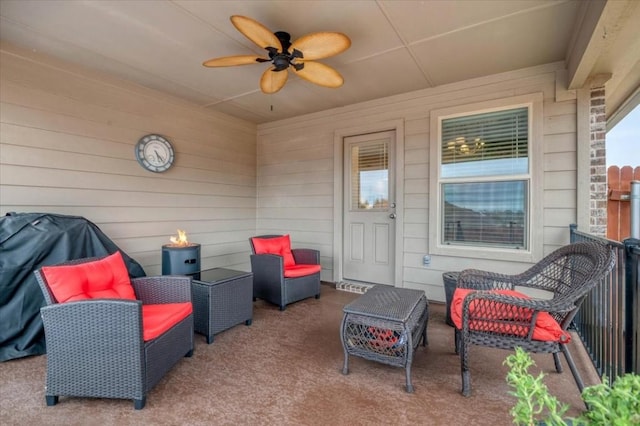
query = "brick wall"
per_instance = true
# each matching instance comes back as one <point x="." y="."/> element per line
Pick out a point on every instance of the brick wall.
<point x="598" y="184"/>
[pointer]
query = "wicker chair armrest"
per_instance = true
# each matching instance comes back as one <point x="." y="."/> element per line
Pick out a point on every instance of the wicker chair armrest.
<point x="306" y="256"/>
<point x="267" y="268"/>
<point x="163" y="289"/>
<point x="92" y="320"/>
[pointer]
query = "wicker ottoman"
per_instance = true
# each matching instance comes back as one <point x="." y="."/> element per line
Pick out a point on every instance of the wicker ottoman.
<point x="222" y="298"/>
<point x="385" y="324"/>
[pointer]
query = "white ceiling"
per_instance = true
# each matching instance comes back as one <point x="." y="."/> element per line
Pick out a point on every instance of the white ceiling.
<point x="397" y="46"/>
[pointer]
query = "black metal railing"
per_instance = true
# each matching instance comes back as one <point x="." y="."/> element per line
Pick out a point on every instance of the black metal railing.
<point x="608" y="321"/>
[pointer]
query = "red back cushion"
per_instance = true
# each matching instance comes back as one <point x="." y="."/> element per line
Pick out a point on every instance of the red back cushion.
<point x="277" y="245"/>
<point x="546" y="327"/>
<point x="106" y="278"/>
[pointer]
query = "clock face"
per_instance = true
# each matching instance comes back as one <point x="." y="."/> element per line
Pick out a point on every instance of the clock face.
<point x="154" y="153"/>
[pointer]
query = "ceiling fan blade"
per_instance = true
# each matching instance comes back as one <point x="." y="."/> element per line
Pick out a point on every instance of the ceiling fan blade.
<point x="272" y="81"/>
<point x="321" y="45"/>
<point x="256" y="32"/>
<point x="228" y="61"/>
<point x="320" y="74"/>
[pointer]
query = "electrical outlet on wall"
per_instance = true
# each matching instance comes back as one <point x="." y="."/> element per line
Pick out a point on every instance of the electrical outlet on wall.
<point x="426" y="260"/>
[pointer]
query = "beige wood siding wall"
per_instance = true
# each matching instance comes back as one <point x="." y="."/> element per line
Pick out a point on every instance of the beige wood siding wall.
<point x="66" y="146"/>
<point x="67" y="140"/>
<point x="296" y="176"/>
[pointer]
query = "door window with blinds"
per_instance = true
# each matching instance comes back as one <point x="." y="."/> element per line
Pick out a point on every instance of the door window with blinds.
<point x="370" y="176"/>
<point x="485" y="179"/>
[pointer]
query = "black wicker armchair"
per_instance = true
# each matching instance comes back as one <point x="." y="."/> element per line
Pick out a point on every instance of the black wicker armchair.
<point x="497" y="313"/>
<point x="282" y="275"/>
<point x="97" y="345"/>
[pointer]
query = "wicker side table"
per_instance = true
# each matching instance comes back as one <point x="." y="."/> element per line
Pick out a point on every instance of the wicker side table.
<point x="385" y="324"/>
<point x="222" y="298"/>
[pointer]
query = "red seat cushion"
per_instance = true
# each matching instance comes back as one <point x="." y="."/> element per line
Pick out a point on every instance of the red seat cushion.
<point x="106" y="278"/>
<point x="280" y="246"/>
<point x="157" y="319"/>
<point x="546" y="327"/>
<point x="301" y="270"/>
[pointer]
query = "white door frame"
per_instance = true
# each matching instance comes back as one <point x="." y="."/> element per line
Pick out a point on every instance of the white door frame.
<point x="396" y="126"/>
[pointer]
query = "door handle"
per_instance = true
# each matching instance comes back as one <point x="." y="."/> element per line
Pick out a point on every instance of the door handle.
<point x="392" y="215"/>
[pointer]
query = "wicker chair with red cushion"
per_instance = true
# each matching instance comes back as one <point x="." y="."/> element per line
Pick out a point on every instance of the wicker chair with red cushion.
<point x="108" y="336"/>
<point x="494" y="310"/>
<point x="282" y="275"/>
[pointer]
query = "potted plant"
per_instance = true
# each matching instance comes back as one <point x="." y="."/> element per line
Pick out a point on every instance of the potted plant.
<point x="614" y="405"/>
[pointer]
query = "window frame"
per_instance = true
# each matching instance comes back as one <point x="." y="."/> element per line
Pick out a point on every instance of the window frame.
<point x="386" y="161"/>
<point x="534" y="231"/>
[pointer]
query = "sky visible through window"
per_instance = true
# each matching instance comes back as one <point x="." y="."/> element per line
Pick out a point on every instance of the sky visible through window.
<point x="623" y="141"/>
<point x="374" y="187"/>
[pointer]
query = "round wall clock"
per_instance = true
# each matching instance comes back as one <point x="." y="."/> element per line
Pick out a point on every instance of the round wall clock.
<point x="155" y="153"/>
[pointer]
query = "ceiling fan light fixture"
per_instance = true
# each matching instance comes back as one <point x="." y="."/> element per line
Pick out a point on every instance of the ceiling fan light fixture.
<point x="281" y="62"/>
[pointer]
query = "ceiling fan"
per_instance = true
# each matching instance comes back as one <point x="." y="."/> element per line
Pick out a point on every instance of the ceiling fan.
<point x="299" y="57"/>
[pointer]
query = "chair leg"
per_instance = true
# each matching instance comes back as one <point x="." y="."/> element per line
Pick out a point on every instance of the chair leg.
<point x="574" y="370"/>
<point x="139" y="403"/>
<point x="51" y="400"/>
<point x="457" y="340"/>
<point x="464" y="366"/>
<point x="572" y="367"/>
<point x="466" y="382"/>
<point x="556" y="361"/>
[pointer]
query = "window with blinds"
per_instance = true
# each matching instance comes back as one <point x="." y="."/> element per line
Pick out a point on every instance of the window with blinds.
<point x="370" y="176"/>
<point x="494" y="143"/>
<point x="485" y="179"/>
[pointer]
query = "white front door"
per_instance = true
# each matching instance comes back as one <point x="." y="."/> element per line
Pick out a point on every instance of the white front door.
<point x="369" y="208"/>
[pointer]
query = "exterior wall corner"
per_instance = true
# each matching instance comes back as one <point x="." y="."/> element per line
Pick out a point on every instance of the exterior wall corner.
<point x="598" y="164"/>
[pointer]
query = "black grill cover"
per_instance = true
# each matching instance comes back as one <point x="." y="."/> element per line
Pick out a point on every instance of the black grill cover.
<point x="27" y="242"/>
